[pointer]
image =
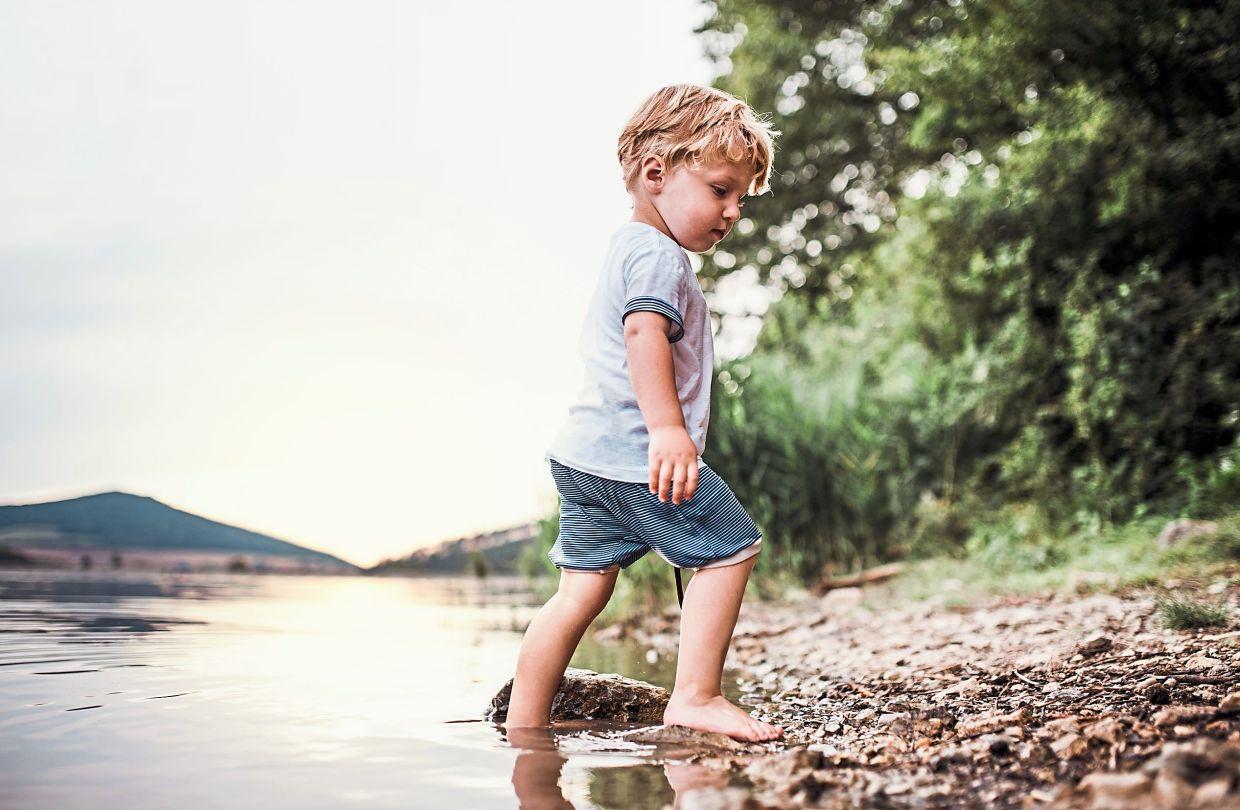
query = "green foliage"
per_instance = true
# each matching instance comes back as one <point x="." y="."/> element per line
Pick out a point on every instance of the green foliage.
<point x="1204" y="549"/>
<point x="1187" y="614"/>
<point x="1006" y="237"/>
<point x="534" y="563"/>
<point x="1005" y="242"/>
<point x="1017" y="550"/>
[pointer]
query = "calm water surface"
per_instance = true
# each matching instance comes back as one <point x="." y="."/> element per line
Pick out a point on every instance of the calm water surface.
<point x="199" y="690"/>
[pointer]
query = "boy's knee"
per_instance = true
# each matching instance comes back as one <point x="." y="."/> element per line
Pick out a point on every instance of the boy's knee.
<point x="589" y="592"/>
<point x="588" y="604"/>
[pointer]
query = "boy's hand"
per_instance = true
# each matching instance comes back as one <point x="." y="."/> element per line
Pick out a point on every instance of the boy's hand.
<point x="673" y="463"/>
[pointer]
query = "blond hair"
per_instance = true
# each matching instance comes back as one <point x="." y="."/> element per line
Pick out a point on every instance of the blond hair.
<point x="686" y="123"/>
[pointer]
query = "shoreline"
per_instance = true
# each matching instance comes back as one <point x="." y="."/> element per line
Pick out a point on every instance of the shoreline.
<point x="1041" y="700"/>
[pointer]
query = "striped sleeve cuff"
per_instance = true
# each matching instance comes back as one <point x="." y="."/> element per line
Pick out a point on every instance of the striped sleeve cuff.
<point x="646" y="303"/>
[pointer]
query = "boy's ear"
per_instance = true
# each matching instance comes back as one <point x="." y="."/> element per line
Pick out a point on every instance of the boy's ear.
<point x="652" y="173"/>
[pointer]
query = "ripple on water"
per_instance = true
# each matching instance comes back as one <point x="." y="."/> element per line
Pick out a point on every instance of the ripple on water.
<point x="291" y="692"/>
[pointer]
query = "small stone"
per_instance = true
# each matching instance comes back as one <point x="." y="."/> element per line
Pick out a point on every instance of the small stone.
<point x="1178" y="715"/>
<point x="1070" y="745"/>
<point x="1231" y="703"/>
<point x="997" y="744"/>
<point x="949" y="756"/>
<point x="1063" y="725"/>
<point x="990" y="722"/>
<point x="1204" y="662"/>
<point x="1213" y="792"/>
<point x="1158" y="695"/>
<point x="1036" y="753"/>
<point x="1115" y="789"/>
<point x="1094" y="645"/>
<point x="1148" y="683"/>
<point x="1108" y="730"/>
<point x="1051" y="687"/>
<point x="892" y="717"/>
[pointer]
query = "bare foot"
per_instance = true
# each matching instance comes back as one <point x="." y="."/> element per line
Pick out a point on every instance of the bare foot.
<point x="717" y="714"/>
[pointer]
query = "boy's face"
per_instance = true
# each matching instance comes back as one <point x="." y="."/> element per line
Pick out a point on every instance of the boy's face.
<point x="700" y="204"/>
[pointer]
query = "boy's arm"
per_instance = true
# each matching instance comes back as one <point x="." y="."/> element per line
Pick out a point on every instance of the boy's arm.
<point x="673" y="455"/>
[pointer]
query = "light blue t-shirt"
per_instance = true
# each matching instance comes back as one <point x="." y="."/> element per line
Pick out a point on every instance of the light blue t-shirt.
<point x="605" y="433"/>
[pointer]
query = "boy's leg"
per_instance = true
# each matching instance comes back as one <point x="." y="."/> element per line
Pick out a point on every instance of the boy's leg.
<point x="550" y="641"/>
<point x="707" y="619"/>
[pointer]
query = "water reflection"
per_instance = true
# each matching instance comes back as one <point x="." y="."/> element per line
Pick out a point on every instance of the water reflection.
<point x="197" y="690"/>
<point x="539" y="781"/>
<point x="536" y="771"/>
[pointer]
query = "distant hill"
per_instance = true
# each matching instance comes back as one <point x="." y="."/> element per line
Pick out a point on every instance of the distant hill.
<point x="500" y="552"/>
<point x="136" y="527"/>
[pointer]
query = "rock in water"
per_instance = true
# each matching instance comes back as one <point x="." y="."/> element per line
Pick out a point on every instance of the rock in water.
<point x="587" y="695"/>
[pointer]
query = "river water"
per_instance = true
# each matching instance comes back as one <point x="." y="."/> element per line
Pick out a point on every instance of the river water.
<point x="148" y="690"/>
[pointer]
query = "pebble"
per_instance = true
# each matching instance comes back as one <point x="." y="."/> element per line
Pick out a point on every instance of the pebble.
<point x="1070" y="745"/>
<point x="1158" y="695"/>
<point x="952" y="693"/>
<point x="1095" y="644"/>
<point x="1114" y="789"/>
<point x="997" y="744"/>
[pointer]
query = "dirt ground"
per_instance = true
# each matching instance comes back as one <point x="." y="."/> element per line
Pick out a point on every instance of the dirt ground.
<point x="1050" y="700"/>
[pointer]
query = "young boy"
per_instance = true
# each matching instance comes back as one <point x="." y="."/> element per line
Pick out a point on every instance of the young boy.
<point x="627" y="463"/>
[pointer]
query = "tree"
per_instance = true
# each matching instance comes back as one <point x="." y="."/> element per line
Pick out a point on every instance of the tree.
<point x="1006" y="235"/>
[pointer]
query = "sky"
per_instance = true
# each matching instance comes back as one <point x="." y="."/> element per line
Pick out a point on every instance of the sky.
<point x="314" y="269"/>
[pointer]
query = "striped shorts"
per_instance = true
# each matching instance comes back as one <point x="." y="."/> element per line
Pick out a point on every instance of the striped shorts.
<point x="606" y="525"/>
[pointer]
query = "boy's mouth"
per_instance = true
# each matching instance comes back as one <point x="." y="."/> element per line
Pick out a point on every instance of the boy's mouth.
<point x="718" y="234"/>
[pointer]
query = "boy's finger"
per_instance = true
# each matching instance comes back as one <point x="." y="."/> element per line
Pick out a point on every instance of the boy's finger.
<point x="678" y="484"/>
<point x="691" y="481"/>
<point x="654" y="477"/>
<point x="665" y="480"/>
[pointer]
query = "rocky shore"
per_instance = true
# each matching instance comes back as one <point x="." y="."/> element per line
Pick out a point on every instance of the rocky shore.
<point x="1030" y="701"/>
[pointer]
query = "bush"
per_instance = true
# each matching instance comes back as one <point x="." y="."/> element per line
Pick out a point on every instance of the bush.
<point x="1187" y="614"/>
